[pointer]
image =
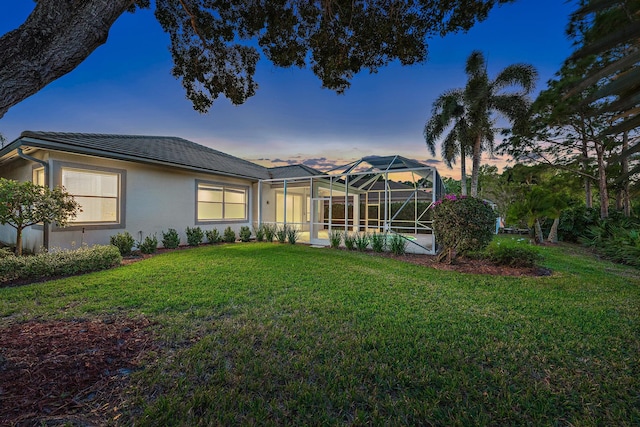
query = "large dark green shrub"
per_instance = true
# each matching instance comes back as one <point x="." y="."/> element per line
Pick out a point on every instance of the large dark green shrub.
<point x="59" y="263"/>
<point x="195" y="235"/>
<point x="123" y="241"/>
<point x="170" y="239"/>
<point x="462" y="224"/>
<point x="575" y="221"/>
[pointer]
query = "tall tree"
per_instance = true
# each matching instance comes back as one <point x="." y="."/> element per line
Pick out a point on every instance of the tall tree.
<point x="214" y="45"/>
<point x="484" y="99"/>
<point x="448" y="112"/>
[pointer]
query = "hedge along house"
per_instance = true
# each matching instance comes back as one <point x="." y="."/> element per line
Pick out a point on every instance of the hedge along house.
<point x="390" y="194"/>
<point x="148" y="184"/>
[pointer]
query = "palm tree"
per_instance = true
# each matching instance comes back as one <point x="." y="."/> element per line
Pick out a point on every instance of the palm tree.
<point x="484" y="98"/>
<point x="449" y="111"/>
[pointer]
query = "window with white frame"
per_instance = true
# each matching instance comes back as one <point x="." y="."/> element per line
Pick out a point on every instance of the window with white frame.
<point x="218" y="202"/>
<point x="98" y="192"/>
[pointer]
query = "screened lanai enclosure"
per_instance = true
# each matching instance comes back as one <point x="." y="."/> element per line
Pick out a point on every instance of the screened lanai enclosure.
<point x="389" y="194"/>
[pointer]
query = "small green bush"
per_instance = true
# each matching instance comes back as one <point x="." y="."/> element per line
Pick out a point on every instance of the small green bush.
<point x="59" y="263"/>
<point x="293" y="234"/>
<point x="124" y="242"/>
<point x="149" y="245"/>
<point x="213" y="236"/>
<point x="462" y="224"/>
<point x="195" y="235"/>
<point x="281" y="233"/>
<point x="229" y="235"/>
<point x="245" y="233"/>
<point x="170" y="239"/>
<point x="269" y="232"/>
<point x="259" y="232"/>
<point x="362" y="241"/>
<point x="349" y="241"/>
<point x="398" y="244"/>
<point x="335" y="237"/>
<point x="513" y="253"/>
<point x="378" y="242"/>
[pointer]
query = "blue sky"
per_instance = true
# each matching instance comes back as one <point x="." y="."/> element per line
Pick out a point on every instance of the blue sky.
<point x="125" y="87"/>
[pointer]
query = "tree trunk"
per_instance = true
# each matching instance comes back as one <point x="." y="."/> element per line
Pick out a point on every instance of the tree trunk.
<point x="463" y="175"/>
<point x="475" y="171"/>
<point x="538" y="232"/>
<point x="553" y="233"/>
<point x="18" y="241"/>
<point x="588" y="196"/>
<point x="626" y="199"/>
<point x="55" y="39"/>
<point x="602" y="183"/>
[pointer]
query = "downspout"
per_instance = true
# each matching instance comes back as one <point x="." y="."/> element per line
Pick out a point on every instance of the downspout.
<point x="45" y="226"/>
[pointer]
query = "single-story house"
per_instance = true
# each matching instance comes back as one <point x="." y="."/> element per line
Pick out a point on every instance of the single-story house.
<point x="148" y="184"/>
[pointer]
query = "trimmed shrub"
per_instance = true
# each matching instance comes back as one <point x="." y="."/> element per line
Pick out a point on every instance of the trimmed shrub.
<point x="398" y="244"/>
<point x="513" y="253"/>
<point x="213" y="236"/>
<point x="195" y="235"/>
<point x="362" y="241"/>
<point x="124" y="242"/>
<point x="59" y="263"/>
<point x="245" y="233"/>
<point x="462" y="224"/>
<point x="292" y="235"/>
<point x="259" y="232"/>
<point x="170" y="239"/>
<point x="229" y="235"/>
<point x="349" y="241"/>
<point x="335" y="237"/>
<point x="378" y="242"/>
<point x="149" y="245"/>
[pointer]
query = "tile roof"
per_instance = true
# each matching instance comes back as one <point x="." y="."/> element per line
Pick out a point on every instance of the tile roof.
<point x="293" y="171"/>
<point x="165" y="150"/>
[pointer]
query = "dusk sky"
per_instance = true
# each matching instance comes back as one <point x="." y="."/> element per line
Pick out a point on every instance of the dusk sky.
<point x="125" y="87"/>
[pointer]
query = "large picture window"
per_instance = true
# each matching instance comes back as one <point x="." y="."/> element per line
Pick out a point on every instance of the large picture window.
<point x="98" y="193"/>
<point x="217" y="202"/>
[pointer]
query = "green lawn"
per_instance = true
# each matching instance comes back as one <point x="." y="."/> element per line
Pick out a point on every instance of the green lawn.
<point x="282" y="334"/>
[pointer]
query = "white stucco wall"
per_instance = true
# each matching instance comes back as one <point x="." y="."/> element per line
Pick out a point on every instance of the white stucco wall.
<point x="22" y="170"/>
<point x="156" y="198"/>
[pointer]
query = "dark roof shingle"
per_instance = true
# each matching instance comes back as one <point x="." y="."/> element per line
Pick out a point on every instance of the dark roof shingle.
<point x="169" y="150"/>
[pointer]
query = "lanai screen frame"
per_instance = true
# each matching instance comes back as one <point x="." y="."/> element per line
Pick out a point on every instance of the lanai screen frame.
<point x="344" y="180"/>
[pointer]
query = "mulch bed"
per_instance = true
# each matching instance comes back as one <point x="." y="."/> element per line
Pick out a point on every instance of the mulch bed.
<point x="68" y="372"/>
<point x="471" y="265"/>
